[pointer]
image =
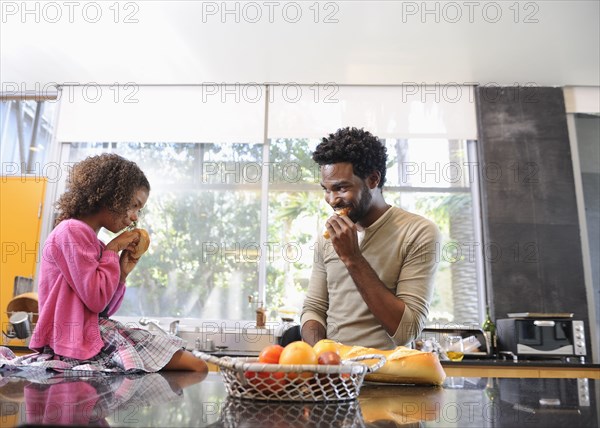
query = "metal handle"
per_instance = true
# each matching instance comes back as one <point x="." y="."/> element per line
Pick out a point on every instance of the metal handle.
<point x="373" y="367"/>
<point x="239" y="365"/>
<point x="549" y="402"/>
<point x="10" y="334"/>
<point x="544" y="323"/>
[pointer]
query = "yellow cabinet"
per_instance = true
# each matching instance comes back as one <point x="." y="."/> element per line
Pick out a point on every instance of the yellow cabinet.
<point x="21" y="203"/>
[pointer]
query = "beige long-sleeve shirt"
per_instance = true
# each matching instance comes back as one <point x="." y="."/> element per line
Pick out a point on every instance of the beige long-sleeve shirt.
<point x="403" y="249"/>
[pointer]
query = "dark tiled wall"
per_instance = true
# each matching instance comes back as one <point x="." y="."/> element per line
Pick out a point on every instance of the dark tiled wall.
<point x="531" y="227"/>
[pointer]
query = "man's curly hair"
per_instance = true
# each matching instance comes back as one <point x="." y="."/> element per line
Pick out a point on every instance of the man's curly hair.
<point x="104" y="181"/>
<point x="362" y="149"/>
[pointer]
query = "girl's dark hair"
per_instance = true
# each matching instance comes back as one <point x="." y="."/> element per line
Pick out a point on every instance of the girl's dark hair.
<point x="104" y="181"/>
<point x="362" y="149"/>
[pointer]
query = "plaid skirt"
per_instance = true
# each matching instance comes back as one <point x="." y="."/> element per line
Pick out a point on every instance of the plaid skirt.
<point x="126" y="350"/>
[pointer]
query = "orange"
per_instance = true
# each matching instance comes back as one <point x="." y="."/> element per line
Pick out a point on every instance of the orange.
<point x="270" y="354"/>
<point x="298" y="353"/>
<point x="327" y="345"/>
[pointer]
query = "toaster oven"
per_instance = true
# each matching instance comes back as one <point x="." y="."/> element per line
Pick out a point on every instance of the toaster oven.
<point x="550" y="337"/>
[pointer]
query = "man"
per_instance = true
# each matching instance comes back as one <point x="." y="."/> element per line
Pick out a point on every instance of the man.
<point x="371" y="283"/>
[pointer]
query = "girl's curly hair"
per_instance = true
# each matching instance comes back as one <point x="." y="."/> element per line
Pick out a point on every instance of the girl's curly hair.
<point x="104" y="181"/>
<point x="362" y="149"/>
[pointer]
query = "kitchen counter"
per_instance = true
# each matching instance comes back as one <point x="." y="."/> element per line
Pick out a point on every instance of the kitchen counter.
<point x="492" y="361"/>
<point x="174" y="399"/>
<point x="472" y="366"/>
<point x="523" y="368"/>
<point x="498" y="367"/>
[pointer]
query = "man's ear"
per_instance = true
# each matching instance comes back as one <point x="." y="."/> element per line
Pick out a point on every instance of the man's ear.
<point x="373" y="179"/>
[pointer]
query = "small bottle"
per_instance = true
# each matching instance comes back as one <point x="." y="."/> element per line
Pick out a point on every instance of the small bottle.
<point x="261" y="317"/>
<point x="489" y="330"/>
<point x="492" y="390"/>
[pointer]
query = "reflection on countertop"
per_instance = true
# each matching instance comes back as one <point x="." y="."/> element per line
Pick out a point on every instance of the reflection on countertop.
<point x="174" y="399"/>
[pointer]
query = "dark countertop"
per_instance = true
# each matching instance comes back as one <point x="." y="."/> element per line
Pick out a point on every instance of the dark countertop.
<point x="174" y="399"/>
<point x="491" y="361"/>
<point x="529" y="362"/>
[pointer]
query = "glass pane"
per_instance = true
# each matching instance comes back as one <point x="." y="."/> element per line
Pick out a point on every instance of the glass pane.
<point x="297" y="212"/>
<point x="434" y="165"/>
<point x="203" y="216"/>
<point x="588" y="147"/>
<point x="28" y="153"/>
<point x="427" y="163"/>
<point x="295" y="220"/>
<point x="291" y="160"/>
<point x="438" y="170"/>
<point x="456" y="296"/>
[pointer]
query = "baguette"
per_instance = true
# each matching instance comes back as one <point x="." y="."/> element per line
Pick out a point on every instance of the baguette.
<point x="404" y="406"/>
<point x="142" y="245"/>
<point x="340" y="212"/>
<point x="403" y="365"/>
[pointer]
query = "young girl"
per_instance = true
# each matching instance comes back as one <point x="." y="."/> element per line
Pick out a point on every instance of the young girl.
<point x="82" y="281"/>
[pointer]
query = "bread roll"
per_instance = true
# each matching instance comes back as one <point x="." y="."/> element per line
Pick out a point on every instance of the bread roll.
<point x="142" y="245"/>
<point x="403" y="365"/>
<point x="340" y="212"/>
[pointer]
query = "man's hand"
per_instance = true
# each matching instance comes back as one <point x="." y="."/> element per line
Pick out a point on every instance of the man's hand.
<point x="344" y="237"/>
<point x="382" y="303"/>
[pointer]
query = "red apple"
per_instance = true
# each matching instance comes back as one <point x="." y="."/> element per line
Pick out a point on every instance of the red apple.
<point x="329" y="358"/>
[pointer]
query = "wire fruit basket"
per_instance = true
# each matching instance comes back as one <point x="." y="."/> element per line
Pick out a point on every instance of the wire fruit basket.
<point x="248" y="379"/>
<point x="236" y="412"/>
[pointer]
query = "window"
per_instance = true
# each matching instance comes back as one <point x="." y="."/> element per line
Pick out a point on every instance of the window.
<point x="434" y="178"/>
<point x="297" y="213"/>
<point x="234" y="210"/>
<point x="430" y="177"/>
<point x="203" y="217"/>
<point x="26" y="132"/>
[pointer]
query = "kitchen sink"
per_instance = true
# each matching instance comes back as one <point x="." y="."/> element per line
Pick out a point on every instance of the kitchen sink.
<point x="221" y="335"/>
<point x="247" y="339"/>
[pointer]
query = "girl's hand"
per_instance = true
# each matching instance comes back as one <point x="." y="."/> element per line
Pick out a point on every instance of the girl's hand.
<point x="127" y="263"/>
<point x="125" y="241"/>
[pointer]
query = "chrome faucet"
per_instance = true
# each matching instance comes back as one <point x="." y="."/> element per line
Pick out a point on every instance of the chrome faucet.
<point x="147" y="321"/>
<point x="174" y="328"/>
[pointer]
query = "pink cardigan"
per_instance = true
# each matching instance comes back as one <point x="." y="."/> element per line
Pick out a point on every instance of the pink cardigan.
<point x="78" y="281"/>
